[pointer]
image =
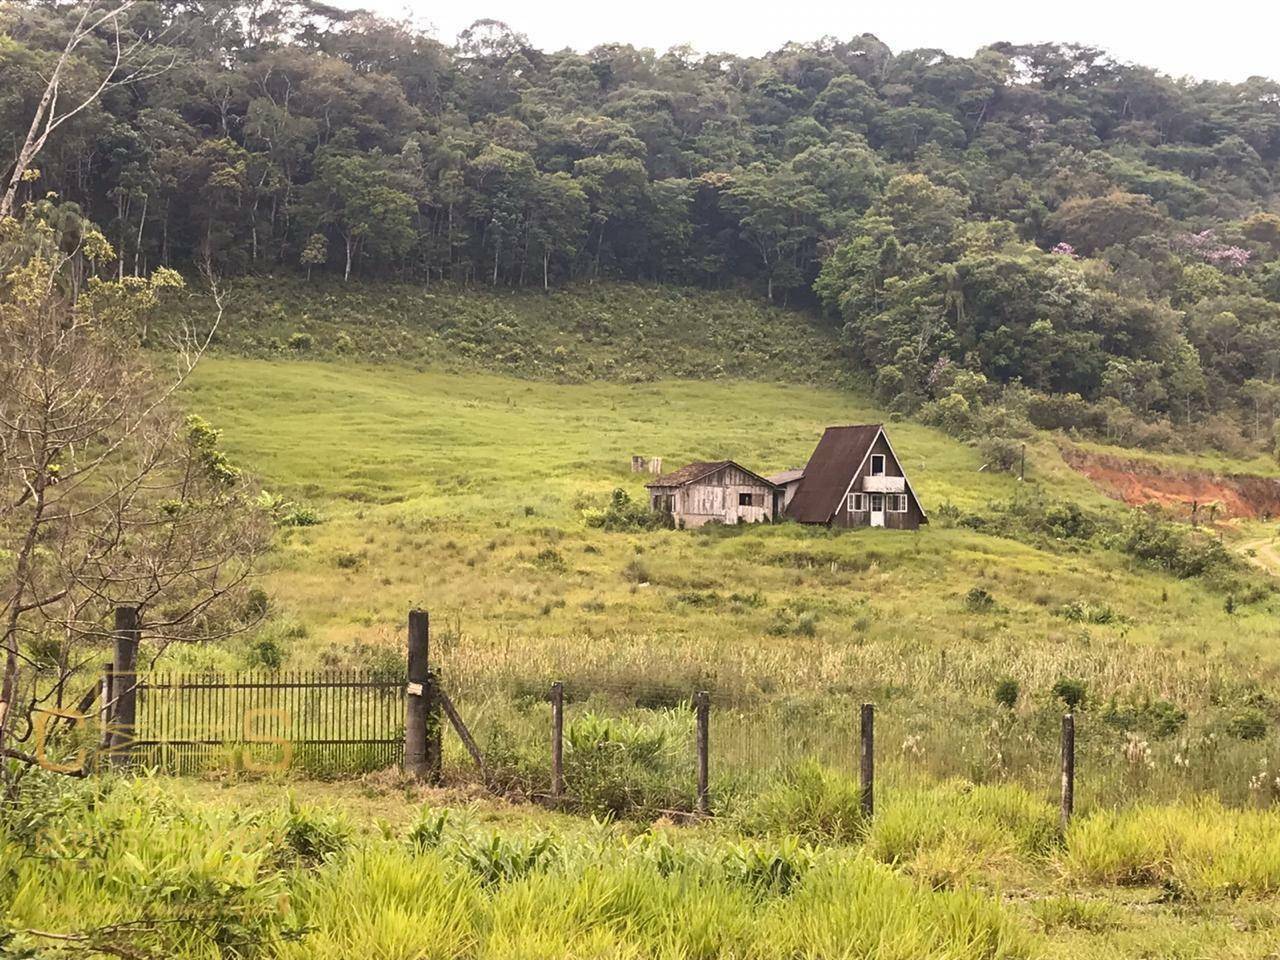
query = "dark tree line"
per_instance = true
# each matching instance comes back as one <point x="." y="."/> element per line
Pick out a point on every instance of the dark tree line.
<point x="1034" y="213"/>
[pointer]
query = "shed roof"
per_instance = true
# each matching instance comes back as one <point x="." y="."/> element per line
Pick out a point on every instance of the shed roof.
<point x="698" y="470"/>
<point x="838" y="455"/>
<point x="786" y="476"/>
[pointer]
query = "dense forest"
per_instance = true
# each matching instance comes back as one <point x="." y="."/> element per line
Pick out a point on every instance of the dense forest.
<point x="1100" y="236"/>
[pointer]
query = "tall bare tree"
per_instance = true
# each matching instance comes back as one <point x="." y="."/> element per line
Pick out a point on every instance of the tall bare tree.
<point x="109" y="494"/>
<point x="131" y="59"/>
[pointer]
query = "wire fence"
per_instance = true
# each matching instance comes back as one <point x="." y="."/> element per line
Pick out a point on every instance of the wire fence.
<point x="643" y="738"/>
<point x="630" y="745"/>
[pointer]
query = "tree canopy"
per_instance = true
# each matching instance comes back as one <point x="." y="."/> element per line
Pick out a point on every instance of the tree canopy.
<point x="1033" y="213"/>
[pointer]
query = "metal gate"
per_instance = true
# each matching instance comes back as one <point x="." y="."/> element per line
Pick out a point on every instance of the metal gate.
<point x="321" y="723"/>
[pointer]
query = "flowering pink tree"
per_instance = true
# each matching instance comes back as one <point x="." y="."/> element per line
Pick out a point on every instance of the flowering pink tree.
<point x="1206" y="246"/>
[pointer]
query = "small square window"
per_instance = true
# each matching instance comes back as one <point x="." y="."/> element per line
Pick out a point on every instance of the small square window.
<point x="877" y="464"/>
<point x="856" y="503"/>
<point x="744" y="500"/>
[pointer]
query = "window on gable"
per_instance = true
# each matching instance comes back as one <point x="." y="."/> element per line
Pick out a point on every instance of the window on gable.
<point x="877" y="464"/>
<point x="856" y="503"/>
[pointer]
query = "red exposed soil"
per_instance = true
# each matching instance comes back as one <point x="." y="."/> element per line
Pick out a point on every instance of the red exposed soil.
<point x="1139" y="482"/>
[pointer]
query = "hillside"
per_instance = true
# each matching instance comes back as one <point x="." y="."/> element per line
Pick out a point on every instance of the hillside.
<point x="607" y="331"/>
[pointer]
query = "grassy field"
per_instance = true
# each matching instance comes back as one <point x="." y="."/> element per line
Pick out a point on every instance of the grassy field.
<point x="464" y="494"/>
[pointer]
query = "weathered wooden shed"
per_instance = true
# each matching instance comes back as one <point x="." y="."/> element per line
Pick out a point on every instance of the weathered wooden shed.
<point x="718" y="491"/>
<point x="788" y="481"/>
<point x="854" y="479"/>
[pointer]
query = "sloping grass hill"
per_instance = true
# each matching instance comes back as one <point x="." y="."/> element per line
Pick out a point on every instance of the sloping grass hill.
<point x="606" y="331"/>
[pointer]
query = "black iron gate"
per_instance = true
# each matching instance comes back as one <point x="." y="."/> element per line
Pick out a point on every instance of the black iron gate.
<point x="321" y="723"/>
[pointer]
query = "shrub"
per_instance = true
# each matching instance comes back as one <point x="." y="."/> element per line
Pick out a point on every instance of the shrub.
<point x="427" y="831"/>
<point x="266" y="650"/>
<point x="1001" y="454"/>
<point x="1082" y="611"/>
<point x="256" y="604"/>
<point x="346" y="560"/>
<point x="1160" y="718"/>
<point x="953" y="414"/>
<point x="1164" y="545"/>
<point x="769" y="871"/>
<point x="309" y="837"/>
<point x="1070" y="692"/>
<point x="299" y="341"/>
<point x="1006" y="693"/>
<point x="549" y="558"/>
<point x="300" y="515"/>
<point x="636" y="572"/>
<point x="796" y="623"/>
<point x="622" y="513"/>
<point x="979" y="600"/>
<point x="1249" y="723"/>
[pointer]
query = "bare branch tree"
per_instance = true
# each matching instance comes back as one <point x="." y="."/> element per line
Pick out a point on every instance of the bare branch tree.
<point x="130" y="63"/>
<point x="109" y="495"/>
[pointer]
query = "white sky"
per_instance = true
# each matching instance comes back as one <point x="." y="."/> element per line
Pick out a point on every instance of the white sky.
<point x="1228" y="42"/>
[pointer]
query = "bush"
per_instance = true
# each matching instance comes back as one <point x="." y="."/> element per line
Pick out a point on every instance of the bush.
<point x="1249" y="723"/>
<point x="309" y="837"/>
<point x="636" y="572"/>
<point x="1082" y="611"/>
<point x="266" y="651"/>
<point x="498" y="860"/>
<point x="1070" y="692"/>
<point x="1164" y="545"/>
<point x="624" y="514"/>
<point x="979" y="600"/>
<point x="549" y="558"/>
<point x="769" y="871"/>
<point x="1001" y="454"/>
<point x="795" y="623"/>
<point x="1006" y="693"/>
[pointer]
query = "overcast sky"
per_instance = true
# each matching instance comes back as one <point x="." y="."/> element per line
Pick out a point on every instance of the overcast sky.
<point x="1208" y="40"/>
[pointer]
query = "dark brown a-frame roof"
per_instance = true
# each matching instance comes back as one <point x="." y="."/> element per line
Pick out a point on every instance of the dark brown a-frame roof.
<point x="835" y="460"/>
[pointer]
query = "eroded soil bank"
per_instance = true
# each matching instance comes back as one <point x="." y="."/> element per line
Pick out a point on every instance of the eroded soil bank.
<point x="1139" y="482"/>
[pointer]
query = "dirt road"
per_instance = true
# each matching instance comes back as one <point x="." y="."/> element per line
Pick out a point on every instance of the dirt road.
<point x="1263" y="552"/>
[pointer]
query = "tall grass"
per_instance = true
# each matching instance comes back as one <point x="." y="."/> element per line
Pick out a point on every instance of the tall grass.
<point x="136" y="865"/>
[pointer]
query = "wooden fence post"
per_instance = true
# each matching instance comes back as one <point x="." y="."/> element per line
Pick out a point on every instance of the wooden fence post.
<point x="704" y="725"/>
<point x="1068" y="769"/>
<point x="416" y="701"/>
<point x="557" y="740"/>
<point x="124" y="685"/>
<point x="867" y="759"/>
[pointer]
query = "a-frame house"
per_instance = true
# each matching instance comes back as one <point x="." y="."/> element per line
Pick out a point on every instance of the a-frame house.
<point x="854" y="479"/>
